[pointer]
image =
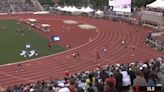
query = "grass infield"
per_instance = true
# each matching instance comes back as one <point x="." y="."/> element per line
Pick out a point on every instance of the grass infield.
<point x="11" y="43"/>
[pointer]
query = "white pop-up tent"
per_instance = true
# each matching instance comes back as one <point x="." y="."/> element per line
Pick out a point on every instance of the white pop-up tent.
<point x="83" y="9"/>
<point x="68" y="9"/>
<point x="99" y="12"/>
<point x="156" y="4"/>
<point x="74" y="9"/>
<point x="32" y="20"/>
<point x="58" y="7"/>
<point x="88" y="10"/>
<point x="45" y="27"/>
<point x="64" y="8"/>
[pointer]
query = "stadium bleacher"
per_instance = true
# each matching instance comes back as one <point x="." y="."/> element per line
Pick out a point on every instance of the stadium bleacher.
<point x="14" y="6"/>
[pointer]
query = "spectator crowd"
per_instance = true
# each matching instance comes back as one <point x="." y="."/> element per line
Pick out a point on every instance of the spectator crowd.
<point x="109" y="78"/>
<point x="10" y="6"/>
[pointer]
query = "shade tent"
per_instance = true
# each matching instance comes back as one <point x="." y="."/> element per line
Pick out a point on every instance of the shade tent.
<point x="74" y="9"/>
<point x="88" y="10"/>
<point x="156" y="4"/>
<point x="64" y="8"/>
<point x="83" y="9"/>
<point x="45" y="25"/>
<point x="58" y="7"/>
<point x="69" y="9"/>
<point x="99" y="12"/>
<point x="32" y="20"/>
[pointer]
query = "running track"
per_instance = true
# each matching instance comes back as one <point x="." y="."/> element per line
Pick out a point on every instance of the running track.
<point x="110" y="34"/>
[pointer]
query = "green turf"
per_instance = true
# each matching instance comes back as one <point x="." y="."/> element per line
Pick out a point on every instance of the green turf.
<point x="11" y="43"/>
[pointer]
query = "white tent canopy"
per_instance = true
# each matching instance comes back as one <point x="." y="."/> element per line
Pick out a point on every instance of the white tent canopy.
<point x="99" y="12"/>
<point x="59" y="7"/>
<point x="32" y="20"/>
<point x="88" y="10"/>
<point x="45" y="25"/>
<point x="156" y="4"/>
<point x="64" y="8"/>
<point x="82" y="9"/>
<point x="67" y="8"/>
<point x="74" y="9"/>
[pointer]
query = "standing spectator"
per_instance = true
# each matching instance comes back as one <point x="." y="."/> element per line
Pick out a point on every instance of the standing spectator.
<point x="99" y="85"/>
<point x="132" y="75"/>
<point x="118" y="77"/>
<point x="160" y="76"/>
<point x="110" y="84"/>
<point x="72" y="86"/>
<point x="125" y="80"/>
<point x="139" y="80"/>
<point x="152" y="82"/>
<point x="63" y="88"/>
<point x="146" y="72"/>
<point x="103" y="75"/>
<point x="56" y="88"/>
<point x="111" y="79"/>
<point x="92" y="88"/>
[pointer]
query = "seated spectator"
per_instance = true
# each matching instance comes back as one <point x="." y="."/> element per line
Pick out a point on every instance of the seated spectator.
<point x="152" y="82"/>
<point x="160" y="76"/>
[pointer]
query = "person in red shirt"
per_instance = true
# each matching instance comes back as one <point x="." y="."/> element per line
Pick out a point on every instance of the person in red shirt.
<point x="50" y="45"/>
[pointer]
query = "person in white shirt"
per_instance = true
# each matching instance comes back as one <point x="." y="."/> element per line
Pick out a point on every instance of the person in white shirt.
<point x="125" y="80"/>
<point x="63" y="88"/>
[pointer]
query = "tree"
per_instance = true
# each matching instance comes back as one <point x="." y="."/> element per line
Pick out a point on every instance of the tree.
<point x="99" y="4"/>
<point x="140" y="3"/>
<point x="48" y="2"/>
